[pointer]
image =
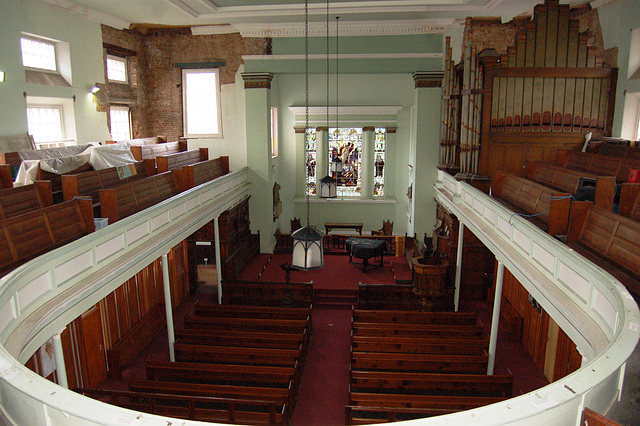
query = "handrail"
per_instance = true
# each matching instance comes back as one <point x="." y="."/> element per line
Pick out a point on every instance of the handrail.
<point x="41" y="297"/>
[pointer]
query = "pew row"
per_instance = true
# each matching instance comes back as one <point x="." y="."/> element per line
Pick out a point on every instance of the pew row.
<point x="177" y="160"/>
<point x="152" y="150"/>
<point x="545" y="207"/>
<point x="29" y="235"/>
<point x="630" y="201"/>
<point x="295" y="326"/>
<point x="420" y="363"/>
<point x="569" y="180"/>
<point x="410" y="317"/>
<point x="250" y="339"/>
<point x="127" y="199"/>
<point x="205" y="409"/>
<point x="196" y="174"/>
<point x="360" y="415"/>
<point x="246" y="311"/>
<point x="431" y="383"/>
<point x="25" y="199"/>
<point x="598" y="164"/>
<point x="426" y="345"/>
<point x="388" y="296"/>
<point x="457" y="403"/>
<point x="609" y="240"/>
<point x="416" y="330"/>
<point x="135" y="340"/>
<point x="266" y="293"/>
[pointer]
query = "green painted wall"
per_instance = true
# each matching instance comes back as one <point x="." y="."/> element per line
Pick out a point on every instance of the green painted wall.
<point x="85" y="45"/>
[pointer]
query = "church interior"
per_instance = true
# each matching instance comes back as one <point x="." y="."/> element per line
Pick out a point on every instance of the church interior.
<point x="301" y="212"/>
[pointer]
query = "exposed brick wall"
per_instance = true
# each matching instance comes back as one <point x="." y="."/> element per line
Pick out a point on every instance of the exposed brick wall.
<point x="156" y="82"/>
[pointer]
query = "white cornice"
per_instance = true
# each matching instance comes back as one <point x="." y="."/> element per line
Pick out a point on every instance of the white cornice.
<point x="319" y="29"/>
<point x="91" y="14"/>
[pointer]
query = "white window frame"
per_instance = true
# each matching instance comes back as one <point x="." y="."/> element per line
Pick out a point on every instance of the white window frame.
<point x="274" y="132"/>
<point x="120" y="108"/>
<point x="186" y="106"/>
<point x="65" y="106"/>
<point x="62" y="56"/>
<point x="44" y="41"/>
<point x="126" y="70"/>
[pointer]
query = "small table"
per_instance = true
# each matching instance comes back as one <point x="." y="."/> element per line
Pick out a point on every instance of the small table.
<point x="328" y="226"/>
<point x="365" y="249"/>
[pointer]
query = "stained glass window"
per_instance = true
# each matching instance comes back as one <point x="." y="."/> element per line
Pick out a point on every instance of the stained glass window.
<point x="379" y="160"/>
<point x="311" y="161"/>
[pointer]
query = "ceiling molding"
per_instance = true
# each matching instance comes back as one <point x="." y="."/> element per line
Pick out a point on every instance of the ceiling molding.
<point x="91" y="14"/>
<point x="185" y="8"/>
<point x="319" y="29"/>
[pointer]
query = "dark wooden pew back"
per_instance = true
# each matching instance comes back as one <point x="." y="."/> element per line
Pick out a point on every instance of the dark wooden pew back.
<point x="196" y="174"/>
<point x="410" y="317"/>
<point x="25" y="199"/>
<point x="420" y="363"/>
<point x="177" y="160"/>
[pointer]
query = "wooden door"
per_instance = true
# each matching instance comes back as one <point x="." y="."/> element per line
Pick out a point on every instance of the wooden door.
<point x="91" y="347"/>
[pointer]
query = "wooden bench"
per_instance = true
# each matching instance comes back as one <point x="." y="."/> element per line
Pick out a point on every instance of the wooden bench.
<point x="609" y="240"/>
<point x="568" y="180"/>
<point x="90" y="183"/>
<point x="410" y="317"/>
<point x="177" y="160"/>
<point x="358" y="415"/>
<point x="420" y="363"/>
<point x="459" y="403"/>
<point x="618" y="150"/>
<point x="388" y="296"/>
<point x="630" y="201"/>
<point x="6" y="176"/>
<point x="246" y="311"/>
<point x="247" y="324"/>
<point x="544" y="206"/>
<point x="265" y="293"/>
<point x="247" y="375"/>
<point x="29" y="235"/>
<point x="241" y="338"/>
<point x="205" y="409"/>
<point x="431" y="383"/>
<point x="133" y="342"/>
<point x="196" y="174"/>
<point x="130" y="198"/>
<point x="25" y="199"/>
<point x="426" y="345"/>
<point x="598" y="164"/>
<point x="152" y="150"/>
<point x="236" y="355"/>
<point x="416" y="330"/>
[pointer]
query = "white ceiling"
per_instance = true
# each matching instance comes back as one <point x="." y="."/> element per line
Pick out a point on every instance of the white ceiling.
<point x="279" y="15"/>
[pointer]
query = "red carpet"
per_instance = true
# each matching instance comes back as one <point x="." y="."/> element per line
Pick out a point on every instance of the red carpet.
<point x="337" y="273"/>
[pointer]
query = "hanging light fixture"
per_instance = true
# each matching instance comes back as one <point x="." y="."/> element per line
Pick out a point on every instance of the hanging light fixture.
<point x="307" y="241"/>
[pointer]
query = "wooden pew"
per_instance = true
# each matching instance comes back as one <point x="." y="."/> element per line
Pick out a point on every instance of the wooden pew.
<point x="426" y="345"/>
<point x="25" y="199"/>
<point x="458" y="403"/>
<point x="130" y="198"/>
<point x="205" y="409"/>
<point x="246" y="311"/>
<point x="550" y="207"/>
<point x="152" y="150"/>
<point x="241" y="338"/>
<point x="265" y="293"/>
<point x="420" y="363"/>
<point x="410" y="317"/>
<point x="358" y="415"/>
<point x="236" y="355"/>
<point x="609" y="240"/>
<point x="6" y="176"/>
<point x="431" y="383"/>
<point x="90" y="183"/>
<point x="388" y="296"/>
<point x="568" y="180"/>
<point x="247" y="324"/>
<point x="177" y="160"/>
<point x="630" y="201"/>
<point x="416" y="330"/>
<point x="133" y="342"/>
<point x="29" y="235"/>
<point x="236" y="375"/>
<point x="598" y="164"/>
<point x="196" y="174"/>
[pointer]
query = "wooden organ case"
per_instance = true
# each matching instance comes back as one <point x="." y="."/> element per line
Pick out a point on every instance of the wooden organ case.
<point x="545" y="93"/>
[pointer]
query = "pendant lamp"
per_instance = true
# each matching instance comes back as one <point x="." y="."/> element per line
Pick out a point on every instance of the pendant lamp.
<point x="307" y="241"/>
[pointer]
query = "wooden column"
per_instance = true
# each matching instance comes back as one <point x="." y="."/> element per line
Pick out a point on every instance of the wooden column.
<point x="368" y="158"/>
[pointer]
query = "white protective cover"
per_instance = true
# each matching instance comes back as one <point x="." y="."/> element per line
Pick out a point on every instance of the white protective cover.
<point x="112" y="155"/>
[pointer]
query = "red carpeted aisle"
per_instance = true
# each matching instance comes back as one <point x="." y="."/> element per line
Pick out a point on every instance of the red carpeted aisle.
<point x="325" y="381"/>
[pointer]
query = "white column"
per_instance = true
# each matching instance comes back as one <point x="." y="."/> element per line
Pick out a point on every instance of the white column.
<point x="495" y="319"/>
<point x="456" y="295"/>
<point x="168" y="307"/>
<point x="58" y="354"/>
<point x="368" y="154"/>
<point x="218" y="260"/>
<point x="322" y="155"/>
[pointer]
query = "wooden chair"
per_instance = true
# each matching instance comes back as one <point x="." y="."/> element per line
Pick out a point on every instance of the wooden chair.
<point x="387" y="229"/>
<point x="295" y="224"/>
